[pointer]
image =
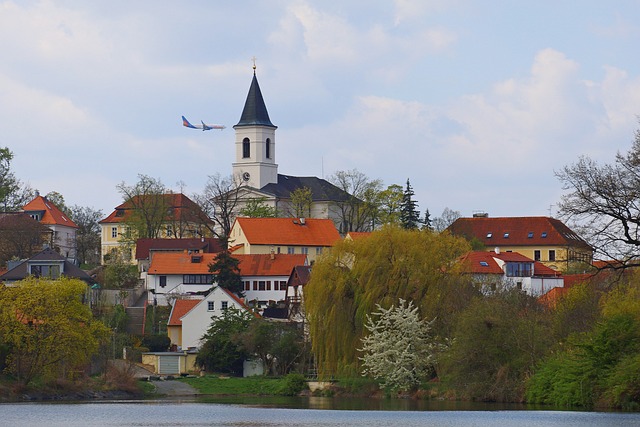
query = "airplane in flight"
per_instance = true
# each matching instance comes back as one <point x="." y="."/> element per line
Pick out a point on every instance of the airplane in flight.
<point x="203" y="126"/>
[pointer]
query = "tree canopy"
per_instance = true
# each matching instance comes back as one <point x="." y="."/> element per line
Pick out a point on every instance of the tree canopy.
<point x="51" y="333"/>
<point x="409" y="214"/>
<point x="390" y="264"/>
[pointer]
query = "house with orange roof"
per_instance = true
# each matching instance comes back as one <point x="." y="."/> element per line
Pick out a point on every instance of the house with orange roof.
<point x="196" y="320"/>
<point x="63" y="228"/>
<point x="357" y="235"/>
<point x="184" y="219"/>
<point x="544" y="239"/>
<point x="306" y="236"/>
<point x="176" y="275"/>
<point x="510" y="269"/>
<point x="174" y="325"/>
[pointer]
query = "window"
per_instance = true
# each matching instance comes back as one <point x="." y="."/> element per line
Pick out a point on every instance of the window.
<point x="210" y="305"/>
<point x="247" y="285"/>
<point x="268" y="285"/>
<point x="530" y="235"/>
<point x="169" y="231"/>
<point x="278" y="250"/>
<point x="489" y="235"/>
<point x="49" y="271"/>
<point x="536" y="255"/>
<point x="224" y="305"/>
<point x="261" y="285"/>
<point x="114" y="232"/>
<point x="552" y="255"/>
<point x="506" y="235"/>
<point x="163" y="281"/>
<point x="246" y="148"/>
<point x="544" y="234"/>
<point x="268" y="148"/>
<point x="484" y="263"/>
<point x="291" y="250"/>
<point x="255" y="285"/>
<point x="519" y="286"/>
<point x="304" y="250"/>
<point x="519" y="269"/>
<point x="197" y="279"/>
<point x="318" y="251"/>
<point x="35" y="216"/>
<point x="283" y="286"/>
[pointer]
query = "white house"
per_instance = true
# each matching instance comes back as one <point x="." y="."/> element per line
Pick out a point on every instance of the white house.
<point x="178" y="275"/>
<point x="197" y="320"/>
<point x="511" y="269"/>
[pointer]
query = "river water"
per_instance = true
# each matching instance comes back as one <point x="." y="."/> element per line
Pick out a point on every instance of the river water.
<point x="295" y="412"/>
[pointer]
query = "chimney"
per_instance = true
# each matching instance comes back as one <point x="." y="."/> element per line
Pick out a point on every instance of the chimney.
<point x="497" y="250"/>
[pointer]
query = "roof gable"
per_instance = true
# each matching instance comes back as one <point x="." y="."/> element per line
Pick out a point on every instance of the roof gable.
<point x="179" y="309"/>
<point x="48" y="212"/>
<point x="288" y="231"/>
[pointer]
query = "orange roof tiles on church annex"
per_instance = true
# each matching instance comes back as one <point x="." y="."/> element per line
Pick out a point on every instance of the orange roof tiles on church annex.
<point x="250" y="265"/>
<point x="289" y="231"/>
<point x="51" y="215"/>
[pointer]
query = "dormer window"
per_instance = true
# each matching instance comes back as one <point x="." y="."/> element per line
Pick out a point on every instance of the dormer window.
<point x="506" y="235"/>
<point x="544" y="234"/>
<point x="246" y="148"/>
<point x="196" y="259"/>
<point x="489" y="235"/>
<point x="530" y="235"/>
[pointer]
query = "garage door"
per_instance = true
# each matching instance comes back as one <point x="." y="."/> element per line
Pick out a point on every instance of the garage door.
<point x="169" y="365"/>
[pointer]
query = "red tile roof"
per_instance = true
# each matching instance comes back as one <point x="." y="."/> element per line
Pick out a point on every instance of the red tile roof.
<point x="289" y="231"/>
<point x="263" y="265"/>
<point x="517" y="231"/>
<point x="179" y="309"/>
<point x="355" y="235"/>
<point x="250" y="265"/>
<point x="182" y="209"/>
<point x="51" y="215"/>
<point x="204" y="245"/>
<point x="474" y="263"/>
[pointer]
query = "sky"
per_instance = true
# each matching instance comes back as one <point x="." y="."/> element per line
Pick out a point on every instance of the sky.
<point x="478" y="103"/>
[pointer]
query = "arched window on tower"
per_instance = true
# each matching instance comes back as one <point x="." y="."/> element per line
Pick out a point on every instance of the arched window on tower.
<point x="246" y="148"/>
<point x="268" y="148"/>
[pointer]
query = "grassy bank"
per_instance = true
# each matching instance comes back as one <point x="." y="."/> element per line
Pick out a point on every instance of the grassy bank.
<point x="289" y="385"/>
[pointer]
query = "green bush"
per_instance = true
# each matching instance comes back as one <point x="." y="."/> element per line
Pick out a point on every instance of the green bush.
<point x="292" y="385"/>
<point x="156" y="342"/>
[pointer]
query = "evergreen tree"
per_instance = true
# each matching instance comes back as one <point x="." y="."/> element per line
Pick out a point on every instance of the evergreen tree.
<point x="409" y="215"/>
<point x="226" y="272"/>
<point x="427" y="225"/>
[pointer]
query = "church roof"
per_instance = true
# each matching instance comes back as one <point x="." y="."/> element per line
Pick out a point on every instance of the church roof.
<point x="255" y="111"/>
<point x="321" y="190"/>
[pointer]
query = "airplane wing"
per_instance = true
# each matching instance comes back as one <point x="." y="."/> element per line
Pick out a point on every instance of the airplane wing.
<point x="209" y="127"/>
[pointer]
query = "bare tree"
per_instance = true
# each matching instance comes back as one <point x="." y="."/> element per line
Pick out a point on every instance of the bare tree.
<point x="605" y="201"/>
<point x="221" y="201"/>
<point x="88" y="234"/>
<point x="148" y="208"/>
<point x="359" y="212"/>
<point x="447" y="218"/>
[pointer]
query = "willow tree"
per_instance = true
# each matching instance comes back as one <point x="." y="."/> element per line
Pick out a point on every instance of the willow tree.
<point x="391" y="264"/>
<point x="51" y="333"/>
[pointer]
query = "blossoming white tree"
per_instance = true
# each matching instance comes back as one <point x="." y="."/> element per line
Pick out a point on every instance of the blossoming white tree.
<point x="398" y="350"/>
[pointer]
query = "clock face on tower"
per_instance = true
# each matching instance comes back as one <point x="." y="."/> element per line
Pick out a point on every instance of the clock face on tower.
<point x="246" y="176"/>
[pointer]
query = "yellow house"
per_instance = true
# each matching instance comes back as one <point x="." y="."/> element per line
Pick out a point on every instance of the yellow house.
<point x="183" y="219"/>
<point x="308" y="236"/>
<point x="544" y="239"/>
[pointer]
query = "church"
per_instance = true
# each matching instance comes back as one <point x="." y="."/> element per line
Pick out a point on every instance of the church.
<point x="255" y="165"/>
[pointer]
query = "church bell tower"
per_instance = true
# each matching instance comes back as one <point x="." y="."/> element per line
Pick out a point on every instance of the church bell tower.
<point x="255" y="141"/>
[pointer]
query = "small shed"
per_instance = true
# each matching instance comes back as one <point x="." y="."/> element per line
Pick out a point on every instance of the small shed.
<point x="171" y="362"/>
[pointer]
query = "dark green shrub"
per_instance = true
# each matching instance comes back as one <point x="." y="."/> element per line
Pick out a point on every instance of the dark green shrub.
<point x="293" y="384"/>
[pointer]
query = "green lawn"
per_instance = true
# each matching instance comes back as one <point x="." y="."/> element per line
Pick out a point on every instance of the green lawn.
<point x="250" y="386"/>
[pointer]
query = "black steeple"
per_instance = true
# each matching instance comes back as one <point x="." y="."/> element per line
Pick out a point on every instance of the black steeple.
<point x="255" y="112"/>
